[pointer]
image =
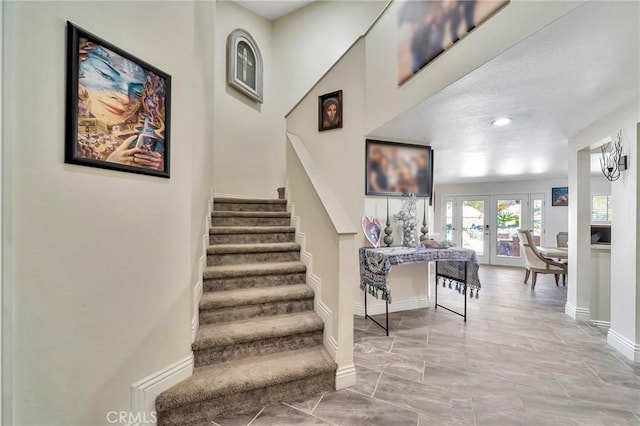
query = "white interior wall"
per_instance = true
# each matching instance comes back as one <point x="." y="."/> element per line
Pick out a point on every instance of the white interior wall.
<point x="101" y="259"/>
<point x="386" y="100"/>
<point x="625" y="281"/>
<point x="3" y="314"/>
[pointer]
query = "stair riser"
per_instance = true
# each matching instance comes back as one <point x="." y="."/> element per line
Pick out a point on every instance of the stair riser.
<point x="279" y="237"/>
<point x="250" y="221"/>
<point x="241" y="258"/>
<point x="271" y="345"/>
<point x="296" y="390"/>
<point x="242" y="207"/>
<point x="237" y="313"/>
<point x="222" y="284"/>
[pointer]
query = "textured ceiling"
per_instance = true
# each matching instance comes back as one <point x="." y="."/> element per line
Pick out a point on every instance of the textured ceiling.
<point x="552" y="85"/>
<point x="273" y="10"/>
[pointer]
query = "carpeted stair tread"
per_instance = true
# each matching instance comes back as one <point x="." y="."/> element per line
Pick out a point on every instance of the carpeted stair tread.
<point x="249" y="201"/>
<point x="245" y="375"/>
<point x="250" y="229"/>
<point x="252" y="269"/>
<point x="250" y="214"/>
<point x="228" y="333"/>
<point x="252" y="248"/>
<point x="253" y="296"/>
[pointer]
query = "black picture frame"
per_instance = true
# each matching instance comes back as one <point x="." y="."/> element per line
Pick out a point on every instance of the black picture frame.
<point x="408" y="168"/>
<point x="118" y="108"/>
<point x="325" y="113"/>
<point x="560" y="196"/>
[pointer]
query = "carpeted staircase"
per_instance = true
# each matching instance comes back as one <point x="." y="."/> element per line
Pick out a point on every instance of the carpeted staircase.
<point x="259" y="340"/>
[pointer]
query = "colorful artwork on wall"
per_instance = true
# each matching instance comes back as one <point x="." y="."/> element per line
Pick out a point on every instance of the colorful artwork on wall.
<point x="118" y="108"/>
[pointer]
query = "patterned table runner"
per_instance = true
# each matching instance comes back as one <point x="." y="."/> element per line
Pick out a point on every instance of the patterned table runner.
<point x="376" y="263"/>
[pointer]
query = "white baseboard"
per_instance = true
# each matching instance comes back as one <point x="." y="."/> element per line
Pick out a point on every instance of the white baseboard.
<point x="577" y="313"/>
<point x="313" y="281"/>
<point x="235" y="196"/>
<point x="202" y="264"/>
<point x="331" y="345"/>
<point x="345" y="377"/>
<point x="376" y="306"/>
<point x="626" y="347"/>
<point x="601" y="324"/>
<point x="145" y="391"/>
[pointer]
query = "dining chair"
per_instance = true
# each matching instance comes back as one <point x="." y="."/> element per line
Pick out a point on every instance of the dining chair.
<point x="562" y="239"/>
<point x="535" y="263"/>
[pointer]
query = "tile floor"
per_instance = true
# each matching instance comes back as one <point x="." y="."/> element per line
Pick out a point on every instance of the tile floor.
<point x="519" y="360"/>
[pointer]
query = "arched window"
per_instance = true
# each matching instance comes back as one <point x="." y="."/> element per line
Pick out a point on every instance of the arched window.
<point x="244" y="64"/>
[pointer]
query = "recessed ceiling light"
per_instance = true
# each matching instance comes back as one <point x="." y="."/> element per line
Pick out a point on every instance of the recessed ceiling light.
<point x="501" y="121"/>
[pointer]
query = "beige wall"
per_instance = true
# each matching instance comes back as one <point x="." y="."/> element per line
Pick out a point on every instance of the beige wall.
<point x="246" y="132"/>
<point x="339" y="153"/>
<point x="310" y="40"/>
<point x="102" y="259"/>
<point x="297" y="50"/>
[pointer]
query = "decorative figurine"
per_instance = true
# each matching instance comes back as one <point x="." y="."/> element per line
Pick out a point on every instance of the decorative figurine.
<point x="407" y="215"/>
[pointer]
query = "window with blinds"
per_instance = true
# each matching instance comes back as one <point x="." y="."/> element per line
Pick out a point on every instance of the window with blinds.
<point x="601" y="208"/>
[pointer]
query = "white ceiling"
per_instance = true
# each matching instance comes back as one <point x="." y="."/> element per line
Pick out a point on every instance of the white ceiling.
<point x="271" y="9"/>
<point x="552" y="85"/>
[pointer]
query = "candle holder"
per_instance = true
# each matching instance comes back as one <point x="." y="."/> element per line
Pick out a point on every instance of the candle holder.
<point x="425" y="227"/>
<point x="388" y="238"/>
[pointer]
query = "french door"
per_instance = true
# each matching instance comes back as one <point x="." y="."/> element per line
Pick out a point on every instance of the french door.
<point x="467" y="225"/>
<point x="510" y="213"/>
<point x="489" y="224"/>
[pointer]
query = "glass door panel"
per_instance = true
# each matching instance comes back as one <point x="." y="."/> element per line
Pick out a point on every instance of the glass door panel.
<point x="448" y="220"/>
<point x="537" y="218"/>
<point x="473" y="225"/>
<point x="510" y="215"/>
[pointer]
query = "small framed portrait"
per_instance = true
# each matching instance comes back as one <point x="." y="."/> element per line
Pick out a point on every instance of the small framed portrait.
<point x="244" y="64"/>
<point x="330" y="111"/>
<point x="118" y="108"/>
<point x="560" y="196"/>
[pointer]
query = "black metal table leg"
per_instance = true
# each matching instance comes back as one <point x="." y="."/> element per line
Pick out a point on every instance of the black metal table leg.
<point x="464" y="290"/>
<point x="366" y="314"/>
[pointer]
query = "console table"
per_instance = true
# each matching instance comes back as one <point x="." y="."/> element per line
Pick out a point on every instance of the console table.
<point x="452" y="264"/>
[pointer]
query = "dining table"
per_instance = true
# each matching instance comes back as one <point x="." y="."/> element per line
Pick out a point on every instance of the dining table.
<point x="554" y="252"/>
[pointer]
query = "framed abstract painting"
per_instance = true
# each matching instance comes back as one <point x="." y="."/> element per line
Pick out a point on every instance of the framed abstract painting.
<point x="118" y="108"/>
